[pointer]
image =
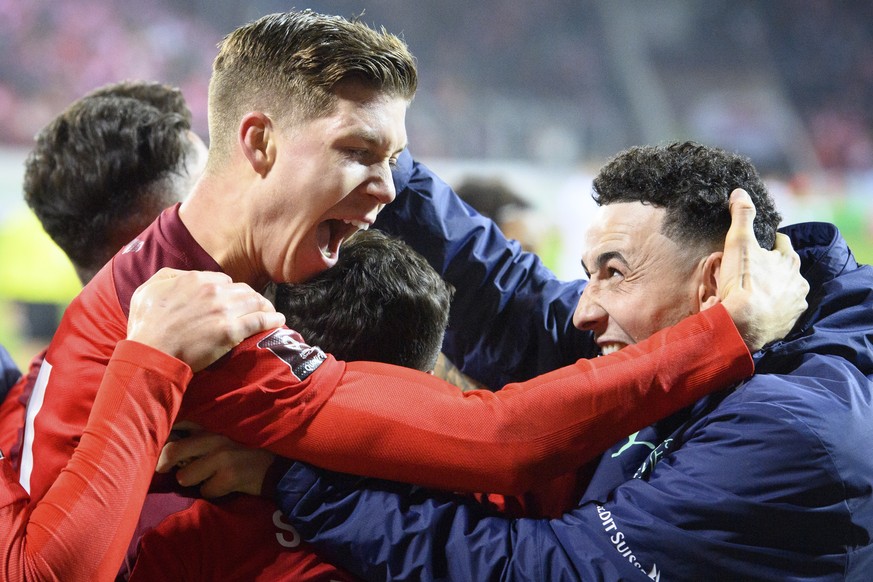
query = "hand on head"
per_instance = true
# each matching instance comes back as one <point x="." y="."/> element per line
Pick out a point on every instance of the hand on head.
<point x="762" y="290"/>
<point x="197" y="316"/>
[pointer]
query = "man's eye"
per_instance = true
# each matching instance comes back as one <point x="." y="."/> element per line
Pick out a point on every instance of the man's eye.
<point x="610" y="272"/>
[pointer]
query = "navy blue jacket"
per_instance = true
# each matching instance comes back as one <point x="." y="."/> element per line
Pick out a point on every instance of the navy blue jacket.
<point x="771" y="481"/>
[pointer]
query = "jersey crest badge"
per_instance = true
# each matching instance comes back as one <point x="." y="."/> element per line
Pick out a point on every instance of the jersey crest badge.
<point x="288" y="346"/>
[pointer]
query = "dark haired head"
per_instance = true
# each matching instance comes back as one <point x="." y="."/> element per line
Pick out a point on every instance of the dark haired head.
<point x="165" y="98"/>
<point x="380" y="302"/>
<point x="693" y="183"/>
<point x="103" y="169"/>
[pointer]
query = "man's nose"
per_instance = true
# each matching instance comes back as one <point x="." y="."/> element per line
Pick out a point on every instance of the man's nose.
<point x="589" y="314"/>
<point x="381" y="184"/>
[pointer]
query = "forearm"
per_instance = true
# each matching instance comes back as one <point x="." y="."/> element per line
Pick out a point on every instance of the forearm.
<point x="708" y="506"/>
<point x="81" y="529"/>
<point x="411" y="427"/>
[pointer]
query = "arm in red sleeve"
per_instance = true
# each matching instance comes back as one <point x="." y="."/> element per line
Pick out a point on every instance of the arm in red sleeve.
<point x="398" y="424"/>
<point x="81" y="529"/>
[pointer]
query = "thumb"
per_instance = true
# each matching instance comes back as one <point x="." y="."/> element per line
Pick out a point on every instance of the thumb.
<point x="742" y="229"/>
<point x="739" y="243"/>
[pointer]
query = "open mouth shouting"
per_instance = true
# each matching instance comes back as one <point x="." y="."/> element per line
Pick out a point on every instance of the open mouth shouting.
<point x="332" y="233"/>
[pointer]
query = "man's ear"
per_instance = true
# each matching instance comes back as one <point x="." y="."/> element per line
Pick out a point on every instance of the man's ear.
<point x="257" y="140"/>
<point x="707" y="294"/>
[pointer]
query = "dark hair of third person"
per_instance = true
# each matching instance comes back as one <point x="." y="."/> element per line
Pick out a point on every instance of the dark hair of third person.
<point x="380" y="302"/>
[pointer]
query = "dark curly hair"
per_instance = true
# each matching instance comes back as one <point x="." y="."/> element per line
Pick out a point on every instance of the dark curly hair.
<point x="380" y="302"/>
<point x="693" y="182"/>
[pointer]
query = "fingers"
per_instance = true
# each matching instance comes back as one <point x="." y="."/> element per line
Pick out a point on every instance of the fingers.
<point x="762" y="290"/>
<point x="197" y="316"/>
<point x="189" y="448"/>
<point x="184" y="282"/>
<point x="200" y="470"/>
<point x="252" y="323"/>
<point x="738" y="245"/>
<point x="227" y="470"/>
<point x="243" y="312"/>
<point x="783" y="246"/>
<point x="217" y="463"/>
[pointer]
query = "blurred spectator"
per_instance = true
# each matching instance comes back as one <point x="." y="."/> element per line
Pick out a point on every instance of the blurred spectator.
<point x="53" y="52"/>
<point x="506" y="72"/>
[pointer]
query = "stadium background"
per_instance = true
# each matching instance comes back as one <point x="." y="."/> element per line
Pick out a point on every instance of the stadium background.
<point x="539" y="94"/>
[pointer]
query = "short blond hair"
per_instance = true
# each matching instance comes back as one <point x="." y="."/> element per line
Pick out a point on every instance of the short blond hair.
<point x="289" y="64"/>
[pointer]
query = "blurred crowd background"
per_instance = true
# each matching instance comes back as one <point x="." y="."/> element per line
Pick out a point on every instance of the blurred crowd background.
<point x="535" y="95"/>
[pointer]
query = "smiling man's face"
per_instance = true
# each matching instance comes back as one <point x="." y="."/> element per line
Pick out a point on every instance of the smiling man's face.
<point x="640" y="281"/>
<point x="332" y="179"/>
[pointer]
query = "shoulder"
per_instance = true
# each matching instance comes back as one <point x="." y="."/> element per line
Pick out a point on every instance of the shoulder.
<point x="798" y="428"/>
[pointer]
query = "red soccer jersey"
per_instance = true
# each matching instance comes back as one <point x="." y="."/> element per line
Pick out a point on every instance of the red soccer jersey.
<point x="234" y="538"/>
<point x="262" y="372"/>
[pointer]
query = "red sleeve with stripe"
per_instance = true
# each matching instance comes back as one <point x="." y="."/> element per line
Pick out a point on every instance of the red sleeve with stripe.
<point x="81" y="528"/>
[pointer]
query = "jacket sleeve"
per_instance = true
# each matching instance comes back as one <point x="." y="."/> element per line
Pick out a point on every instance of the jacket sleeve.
<point x="381" y="530"/>
<point x="511" y="318"/>
<point x="723" y="506"/>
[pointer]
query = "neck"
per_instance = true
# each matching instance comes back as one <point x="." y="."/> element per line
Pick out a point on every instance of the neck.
<point x="221" y="229"/>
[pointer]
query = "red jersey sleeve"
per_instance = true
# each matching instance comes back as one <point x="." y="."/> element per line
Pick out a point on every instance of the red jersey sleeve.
<point x="395" y="423"/>
<point x="81" y="528"/>
<point x="264" y="390"/>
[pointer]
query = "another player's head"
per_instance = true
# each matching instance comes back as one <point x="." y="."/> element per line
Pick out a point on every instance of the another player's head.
<point x="306" y="117"/>
<point x="654" y="251"/>
<point x="104" y="169"/>
<point x="381" y="302"/>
